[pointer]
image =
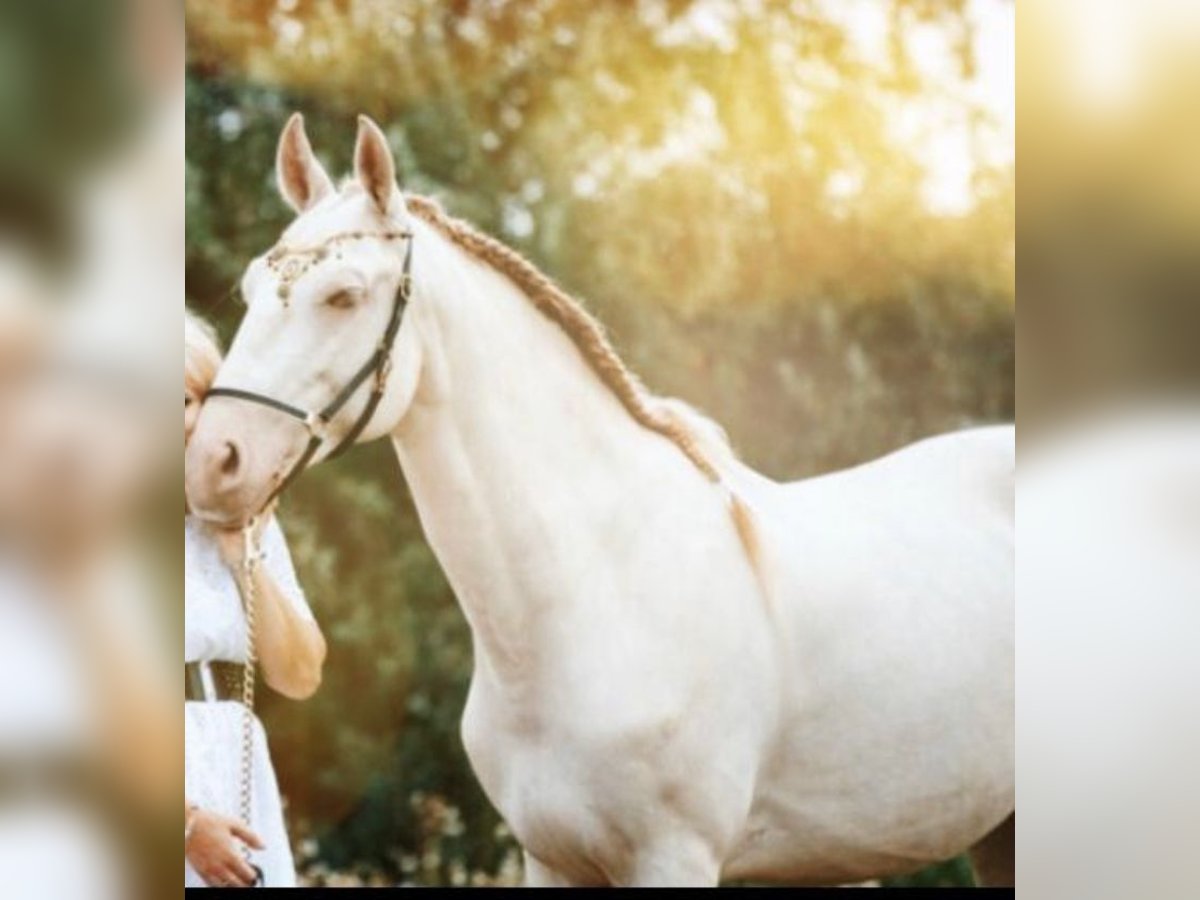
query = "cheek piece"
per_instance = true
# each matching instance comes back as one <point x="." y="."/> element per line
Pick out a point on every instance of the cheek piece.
<point x="378" y="366"/>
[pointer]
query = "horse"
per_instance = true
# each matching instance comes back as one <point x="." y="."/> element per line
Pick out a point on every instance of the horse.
<point x="683" y="671"/>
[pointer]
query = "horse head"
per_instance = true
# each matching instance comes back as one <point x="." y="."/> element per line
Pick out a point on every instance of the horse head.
<point x="323" y="356"/>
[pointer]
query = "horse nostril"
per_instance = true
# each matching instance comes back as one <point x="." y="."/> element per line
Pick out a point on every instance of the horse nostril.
<point x="232" y="459"/>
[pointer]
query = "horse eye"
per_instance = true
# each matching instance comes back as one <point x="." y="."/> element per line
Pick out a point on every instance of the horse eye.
<point x="343" y="299"/>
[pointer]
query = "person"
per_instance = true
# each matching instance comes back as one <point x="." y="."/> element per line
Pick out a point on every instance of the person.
<point x="290" y="651"/>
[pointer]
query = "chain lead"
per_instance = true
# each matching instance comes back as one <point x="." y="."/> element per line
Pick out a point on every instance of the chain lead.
<point x="250" y="561"/>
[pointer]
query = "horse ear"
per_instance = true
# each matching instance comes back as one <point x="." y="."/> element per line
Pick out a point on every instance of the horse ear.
<point x="302" y="181"/>
<point x="373" y="163"/>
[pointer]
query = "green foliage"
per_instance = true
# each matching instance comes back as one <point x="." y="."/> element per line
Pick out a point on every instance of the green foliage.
<point x="954" y="873"/>
<point x="821" y="329"/>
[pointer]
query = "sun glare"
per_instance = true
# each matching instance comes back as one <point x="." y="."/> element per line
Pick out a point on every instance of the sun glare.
<point x="936" y="125"/>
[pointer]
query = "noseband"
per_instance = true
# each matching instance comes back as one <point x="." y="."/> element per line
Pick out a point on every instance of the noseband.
<point x="379" y="365"/>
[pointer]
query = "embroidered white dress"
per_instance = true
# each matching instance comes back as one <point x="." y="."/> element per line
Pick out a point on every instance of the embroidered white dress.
<point x="215" y="630"/>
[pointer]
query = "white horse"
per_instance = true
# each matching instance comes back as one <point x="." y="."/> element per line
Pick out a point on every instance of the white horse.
<point x="684" y="671"/>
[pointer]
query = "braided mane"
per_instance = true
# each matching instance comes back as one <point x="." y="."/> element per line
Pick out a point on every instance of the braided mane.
<point x="665" y="417"/>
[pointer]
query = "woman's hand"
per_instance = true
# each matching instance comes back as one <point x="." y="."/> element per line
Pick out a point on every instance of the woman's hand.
<point x="212" y="850"/>
<point x="231" y="542"/>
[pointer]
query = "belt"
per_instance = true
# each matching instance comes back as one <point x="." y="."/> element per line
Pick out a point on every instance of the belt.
<point x="212" y="681"/>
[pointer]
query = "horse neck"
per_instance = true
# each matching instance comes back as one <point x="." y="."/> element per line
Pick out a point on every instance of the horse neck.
<point x="517" y="456"/>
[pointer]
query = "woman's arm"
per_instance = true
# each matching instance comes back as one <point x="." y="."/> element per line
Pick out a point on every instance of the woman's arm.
<point x="291" y="648"/>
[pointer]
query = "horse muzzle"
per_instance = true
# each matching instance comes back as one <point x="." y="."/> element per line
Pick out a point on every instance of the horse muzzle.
<point x="227" y="481"/>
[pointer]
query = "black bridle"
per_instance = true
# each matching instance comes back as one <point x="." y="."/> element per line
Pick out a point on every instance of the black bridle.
<point x="379" y="366"/>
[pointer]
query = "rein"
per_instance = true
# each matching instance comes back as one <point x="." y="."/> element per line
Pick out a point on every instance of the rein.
<point x="379" y="365"/>
<point x="251" y="557"/>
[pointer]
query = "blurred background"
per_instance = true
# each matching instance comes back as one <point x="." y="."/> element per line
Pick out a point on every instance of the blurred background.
<point x="91" y="266"/>
<point x="797" y="216"/>
<point x="1108" y="524"/>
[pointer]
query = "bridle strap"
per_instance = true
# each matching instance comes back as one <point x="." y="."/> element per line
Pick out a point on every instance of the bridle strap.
<point x="379" y="365"/>
<point x="239" y="394"/>
<point x="310" y="450"/>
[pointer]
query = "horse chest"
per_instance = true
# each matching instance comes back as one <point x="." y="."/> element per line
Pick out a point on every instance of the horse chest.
<point x="555" y="788"/>
<point x="545" y="802"/>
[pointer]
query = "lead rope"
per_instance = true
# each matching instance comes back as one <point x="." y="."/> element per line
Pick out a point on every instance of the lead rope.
<point x="250" y="559"/>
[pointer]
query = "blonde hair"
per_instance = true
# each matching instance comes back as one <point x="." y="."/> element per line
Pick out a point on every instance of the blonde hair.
<point x="201" y="355"/>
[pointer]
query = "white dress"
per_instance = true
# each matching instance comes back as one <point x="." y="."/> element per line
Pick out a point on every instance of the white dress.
<point x="215" y="630"/>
